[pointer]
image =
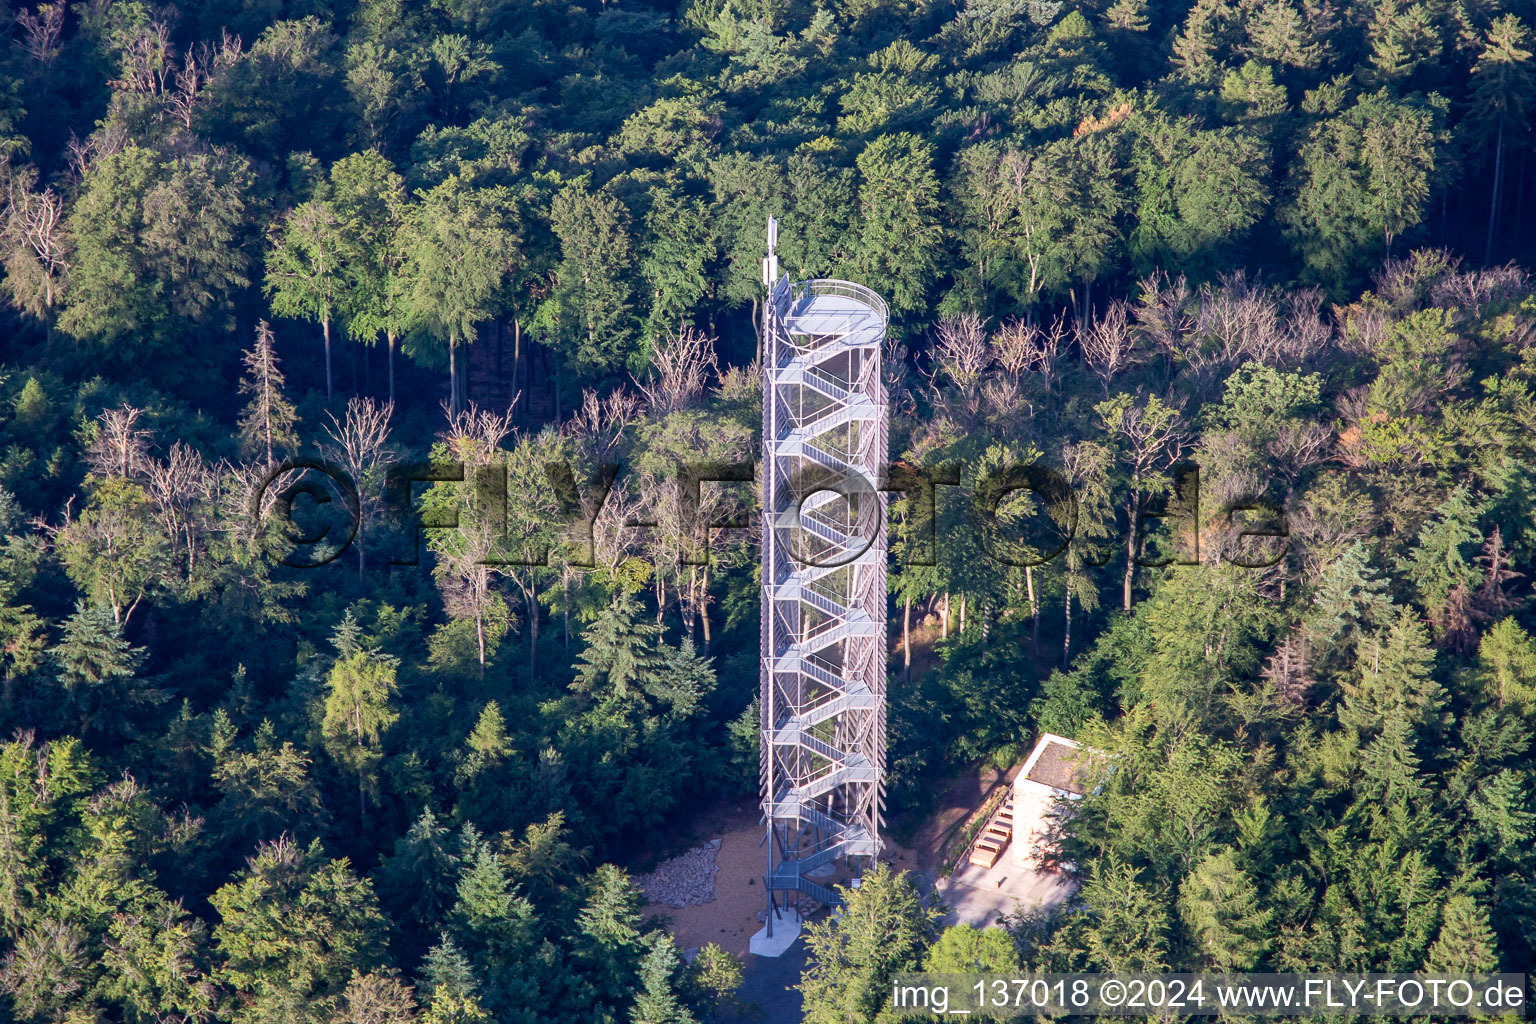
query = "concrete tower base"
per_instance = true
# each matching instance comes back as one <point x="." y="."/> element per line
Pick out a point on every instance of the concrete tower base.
<point x="786" y="929"/>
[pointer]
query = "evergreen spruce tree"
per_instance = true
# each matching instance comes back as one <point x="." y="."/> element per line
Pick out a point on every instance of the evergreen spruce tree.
<point x="1503" y="90"/>
<point x="1466" y="943"/>
<point x="416" y="881"/>
<point x="622" y="654"/>
<point x="1129" y="921"/>
<point x="268" y="422"/>
<point x="883" y="927"/>
<point x="489" y="739"/>
<point x="608" y="938"/>
<point x="98" y="670"/>
<point x="1221" y="909"/>
<point x="1506" y="656"/>
<point x="449" y="987"/>
<point x="293" y="926"/>
<point x="657" y="1001"/>
<point x="358" y="711"/>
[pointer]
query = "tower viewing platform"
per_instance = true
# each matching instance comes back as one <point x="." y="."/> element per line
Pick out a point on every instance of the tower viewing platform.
<point x="824" y="586"/>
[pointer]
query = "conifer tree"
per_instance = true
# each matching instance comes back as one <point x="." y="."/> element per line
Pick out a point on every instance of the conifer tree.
<point x="293" y="927"/>
<point x="489" y="739"/>
<point x="622" y="656"/>
<point x="98" y="669"/>
<point x="1501" y="814"/>
<point x="1362" y="179"/>
<point x="1351" y="598"/>
<point x="268" y="422"/>
<point x="379" y="998"/>
<point x="1442" y="567"/>
<point x="608" y="936"/>
<point x="717" y="975"/>
<point x="449" y="986"/>
<point x="963" y="949"/>
<point x="416" y="881"/>
<point x="1220" y="907"/>
<point x="657" y="1000"/>
<point x="1503" y="90"/>
<point x="883" y="927"/>
<point x="358" y="711"/>
<point x="1394" y="682"/>
<point x="1129" y="925"/>
<point x="1506" y="656"/>
<point x="1466" y="943"/>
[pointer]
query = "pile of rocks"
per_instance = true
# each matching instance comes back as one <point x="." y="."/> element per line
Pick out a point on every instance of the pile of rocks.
<point x="684" y="881"/>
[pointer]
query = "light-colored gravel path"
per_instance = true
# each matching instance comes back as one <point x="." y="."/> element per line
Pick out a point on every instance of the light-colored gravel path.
<point x="730" y="918"/>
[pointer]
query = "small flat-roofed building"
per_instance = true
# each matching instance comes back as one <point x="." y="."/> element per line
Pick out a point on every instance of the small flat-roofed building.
<point x="1055" y="769"/>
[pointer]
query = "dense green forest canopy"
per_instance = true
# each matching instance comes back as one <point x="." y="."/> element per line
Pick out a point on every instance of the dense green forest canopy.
<point x="1263" y="237"/>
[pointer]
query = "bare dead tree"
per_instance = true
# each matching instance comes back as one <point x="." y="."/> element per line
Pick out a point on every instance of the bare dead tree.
<point x="1151" y="437"/>
<point x="147" y="61"/>
<point x="471" y="556"/>
<point x="176" y="488"/>
<point x="1289" y="668"/>
<point x="1298" y="446"/>
<point x="120" y="446"/>
<point x="268" y="420"/>
<point x="1109" y="344"/>
<point x="474" y="435"/>
<point x="896" y="374"/>
<point x="360" y="444"/>
<point x="1362" y="327"/>
<point x="961" y="353"/>
<point x="37" y="246"/>
<point x="202" y="63"/>
<point x="83" y="154"/>
<point x="1492" y="599"/>
<point x="1013" y="346"/>
<point x="1003" y="396"/>
<point x="1307" y="330"/>
<point x="960" y="360"/>
<point x="1239" y="319"/>
<point x="1164" y="312"/>
<point x="599" y="424"/>
<point x="466" y="576"/>
<point x="243" y="503"/>
<point x="1021" y="347"/>
<point x="615" y="533"/>
<point x="681" y="364"/>
<point x="77" y="154"/>
<point x="377" y="999"/>
<point x="41" y="31"/>
<point x="1474" y="290"/>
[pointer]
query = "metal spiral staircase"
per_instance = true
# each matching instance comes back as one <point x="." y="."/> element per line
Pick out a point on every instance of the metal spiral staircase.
<point x="824" y="588"/>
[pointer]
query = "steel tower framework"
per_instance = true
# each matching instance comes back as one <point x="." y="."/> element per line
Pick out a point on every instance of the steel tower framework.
<point x="824" y="589"/>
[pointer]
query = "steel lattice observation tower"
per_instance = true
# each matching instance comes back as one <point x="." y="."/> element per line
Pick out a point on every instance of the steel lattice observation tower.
<point x="823" y="578"/>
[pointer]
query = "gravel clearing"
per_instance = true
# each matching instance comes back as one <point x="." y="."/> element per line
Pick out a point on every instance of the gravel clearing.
<point x="687" y="880"/>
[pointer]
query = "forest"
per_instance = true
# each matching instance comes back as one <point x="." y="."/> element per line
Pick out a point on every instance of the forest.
<point x="1273" y="246"/>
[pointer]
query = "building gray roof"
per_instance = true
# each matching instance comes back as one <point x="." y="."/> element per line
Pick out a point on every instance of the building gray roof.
<point x="1061" y="767"/>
